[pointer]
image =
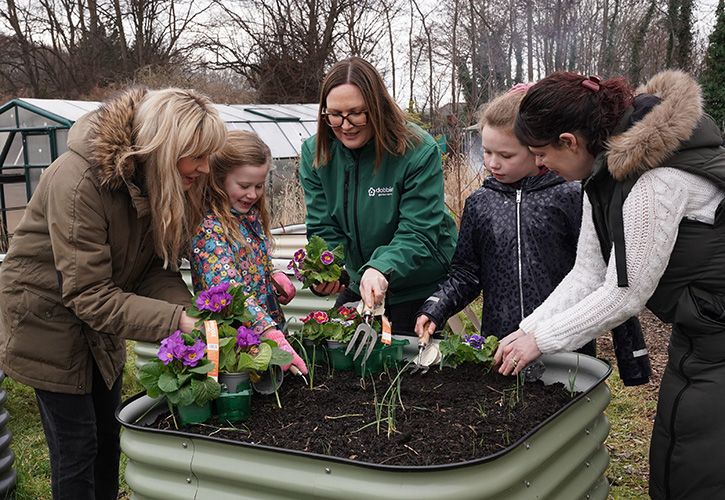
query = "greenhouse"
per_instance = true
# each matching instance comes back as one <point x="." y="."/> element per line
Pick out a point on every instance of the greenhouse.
<point x="33" y="133"/>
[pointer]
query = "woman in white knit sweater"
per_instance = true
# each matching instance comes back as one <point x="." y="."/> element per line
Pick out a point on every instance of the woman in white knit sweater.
<point x="653" y="233"/>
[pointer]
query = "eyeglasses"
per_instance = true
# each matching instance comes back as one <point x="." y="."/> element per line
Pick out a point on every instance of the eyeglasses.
<point x="355" y="119"/>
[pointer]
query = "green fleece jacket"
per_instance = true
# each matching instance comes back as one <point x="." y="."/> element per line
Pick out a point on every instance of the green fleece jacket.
<point x="392" y="218"/>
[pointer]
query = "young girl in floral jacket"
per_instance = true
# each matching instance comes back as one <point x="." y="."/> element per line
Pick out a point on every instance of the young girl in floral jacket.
<point x="232" y="244"/>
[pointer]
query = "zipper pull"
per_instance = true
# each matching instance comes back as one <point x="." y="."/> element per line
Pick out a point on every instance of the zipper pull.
<point x="518" y="196"/>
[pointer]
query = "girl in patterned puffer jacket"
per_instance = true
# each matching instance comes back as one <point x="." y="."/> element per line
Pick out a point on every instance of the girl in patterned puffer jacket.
<point x="518" y="232"/>
<point x="232" y="244"/>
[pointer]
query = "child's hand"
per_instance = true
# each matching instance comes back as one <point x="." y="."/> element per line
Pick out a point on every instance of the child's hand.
<point x="282" y="343"/>
<point x="424" y="325"/>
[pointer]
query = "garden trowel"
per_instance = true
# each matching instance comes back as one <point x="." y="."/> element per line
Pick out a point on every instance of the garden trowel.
<point x="428" y="354"/>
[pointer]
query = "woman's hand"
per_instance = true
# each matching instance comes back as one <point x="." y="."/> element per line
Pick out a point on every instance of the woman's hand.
<point x="515" y="352"/>
<point x="186" y="322"/>
<point x="330" y="288"/>
<point x="373" y="286"/>
<point x="424" y="325"/>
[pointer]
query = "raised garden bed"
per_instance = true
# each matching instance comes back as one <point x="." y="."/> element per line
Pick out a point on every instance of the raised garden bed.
<point x="459" y="428"/>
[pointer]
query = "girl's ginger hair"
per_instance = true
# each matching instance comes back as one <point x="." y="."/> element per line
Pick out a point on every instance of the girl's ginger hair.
<point x="241" y="149"/>
<point x="391" y="133"/>
<point x="168" y="125"/>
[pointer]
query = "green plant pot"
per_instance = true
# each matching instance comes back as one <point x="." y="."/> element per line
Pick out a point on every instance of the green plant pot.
<point x="337" y="357"/>
<point x="234" y="406"/>
<point x="235" y="382"/>
<point x="270" y="380"/>
<point x="374" y="364"/>
<point x="194" y="414"/>
<point x="393" y="353"/>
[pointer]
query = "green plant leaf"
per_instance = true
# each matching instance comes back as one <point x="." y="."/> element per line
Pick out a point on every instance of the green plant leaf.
<point x="205" y="390"/>
<point x="168" y="382"/>
<point x="185" y="395"/>
<point x="149" y="375"/>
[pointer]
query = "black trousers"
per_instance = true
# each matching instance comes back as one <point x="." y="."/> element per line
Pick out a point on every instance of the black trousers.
<point x="402" y="315"/>
<point x="83" y="439"/>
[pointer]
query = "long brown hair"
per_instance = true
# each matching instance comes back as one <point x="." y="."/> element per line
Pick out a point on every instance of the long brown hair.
<point x="390" y="129"/>
<point x="241" y="149"/>
<point x="168" y="125"/>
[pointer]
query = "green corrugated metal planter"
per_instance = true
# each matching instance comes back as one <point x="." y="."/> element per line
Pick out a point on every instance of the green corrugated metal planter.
<point x="563" y="458"/>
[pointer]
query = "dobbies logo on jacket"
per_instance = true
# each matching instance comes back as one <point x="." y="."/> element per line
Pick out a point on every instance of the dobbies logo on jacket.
<point x="380" y="191"/>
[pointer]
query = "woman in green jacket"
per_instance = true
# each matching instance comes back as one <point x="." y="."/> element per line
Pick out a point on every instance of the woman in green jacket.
<point x="373" y="181"/>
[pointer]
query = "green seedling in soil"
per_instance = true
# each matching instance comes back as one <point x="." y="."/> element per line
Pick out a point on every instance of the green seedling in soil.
<point x="481" y="409"/>
<point x="572" y="379"/>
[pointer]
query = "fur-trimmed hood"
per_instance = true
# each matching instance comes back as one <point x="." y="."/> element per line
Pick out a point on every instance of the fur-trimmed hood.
<point x="660" y="133"/>
<point x="665" y="129"/>
<point x="103" y="136"/>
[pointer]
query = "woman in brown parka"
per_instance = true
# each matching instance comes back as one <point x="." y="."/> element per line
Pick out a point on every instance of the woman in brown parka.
<point x="94" y="261"/>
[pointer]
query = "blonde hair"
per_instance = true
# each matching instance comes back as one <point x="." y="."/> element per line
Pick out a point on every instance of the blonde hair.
<point x="246" y="149"/>
<point x="391" y="132"/>
<point x="501" y="111"/>
<point x="168" y="125"/>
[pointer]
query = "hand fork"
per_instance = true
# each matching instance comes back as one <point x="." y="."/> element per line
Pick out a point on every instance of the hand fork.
<point x="369" y="337"/>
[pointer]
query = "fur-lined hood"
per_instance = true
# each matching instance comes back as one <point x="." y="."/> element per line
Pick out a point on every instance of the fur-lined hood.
<point x="660" y="133"/>
<point x="104" y="135"/>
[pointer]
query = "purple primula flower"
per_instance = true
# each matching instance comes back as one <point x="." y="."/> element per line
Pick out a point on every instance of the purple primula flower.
<point x="299" y="275"/>
<point x="476" y="341"/>
<point x="246" y="337"/>
<point x="291" y="265"/>
<point x="327" y="257"/>
<point x="194" y="353"/>
<point x="300" y="255"/>
<point x="215" y="299"/>
<point x="172" y="347"/>
<point x="220" y="288"/>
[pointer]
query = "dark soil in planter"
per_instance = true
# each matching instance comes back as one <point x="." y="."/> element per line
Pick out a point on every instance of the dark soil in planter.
<point x="446" y="417"/>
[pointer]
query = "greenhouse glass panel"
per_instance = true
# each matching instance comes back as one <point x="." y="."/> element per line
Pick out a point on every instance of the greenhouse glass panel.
<point x="239" y="126"/>
<point x="7" y="119"/>
<point x="311" y="127"/>
<point x="275" y="139"/>
<point x="71" y="110"/>
<point x="38" y="149"/>
<point x="15" y="155"/>
<point x="229" y="113"/>
<point x="62" y="140"/>
<point x="34" y="174"/>
<point x="30" y="119"/>
<point x="296" y="133"/>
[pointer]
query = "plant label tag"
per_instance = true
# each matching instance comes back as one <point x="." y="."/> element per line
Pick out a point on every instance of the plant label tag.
<point x="212" y="346"/>
<point x="387" y="336"/>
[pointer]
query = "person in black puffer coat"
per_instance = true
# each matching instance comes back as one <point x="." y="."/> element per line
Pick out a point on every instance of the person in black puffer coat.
<point x="518" y="232"/>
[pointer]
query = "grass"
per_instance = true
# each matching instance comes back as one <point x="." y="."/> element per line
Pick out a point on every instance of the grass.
<point x="628" y="442"/>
